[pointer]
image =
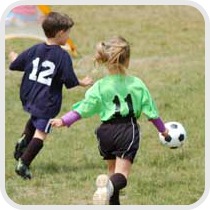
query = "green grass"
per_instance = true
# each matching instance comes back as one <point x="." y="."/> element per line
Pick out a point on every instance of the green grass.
<point x="168" y="51"/>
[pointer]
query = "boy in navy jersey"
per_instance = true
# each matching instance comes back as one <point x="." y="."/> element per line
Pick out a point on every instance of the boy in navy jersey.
<point x="47" y="67"/>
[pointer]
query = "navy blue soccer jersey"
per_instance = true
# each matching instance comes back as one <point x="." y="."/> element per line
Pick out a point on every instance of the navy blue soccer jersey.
<point x="46" y="69"/>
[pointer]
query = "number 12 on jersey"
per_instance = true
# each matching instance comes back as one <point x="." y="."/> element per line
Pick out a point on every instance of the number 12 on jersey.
<point x="44" y="76"/>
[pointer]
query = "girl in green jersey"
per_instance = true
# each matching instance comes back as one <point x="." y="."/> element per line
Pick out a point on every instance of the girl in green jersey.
<point x="119" y="100"/>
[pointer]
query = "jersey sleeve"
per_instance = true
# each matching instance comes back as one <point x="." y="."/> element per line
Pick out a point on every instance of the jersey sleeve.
<point x="19" y="63"/>
<point x="148" y="105"/>
<point x="90" y="105"/>
<point x="68" y="76"/>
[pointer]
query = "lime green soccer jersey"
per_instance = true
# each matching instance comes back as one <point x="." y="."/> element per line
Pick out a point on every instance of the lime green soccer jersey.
<point x="117" y="96"/>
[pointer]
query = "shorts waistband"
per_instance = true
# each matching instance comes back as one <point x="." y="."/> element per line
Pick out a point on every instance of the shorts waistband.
<point x="120" y="120"/>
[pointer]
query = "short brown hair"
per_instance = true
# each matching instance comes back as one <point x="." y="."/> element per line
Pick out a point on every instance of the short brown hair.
<point x="55" y="22"/>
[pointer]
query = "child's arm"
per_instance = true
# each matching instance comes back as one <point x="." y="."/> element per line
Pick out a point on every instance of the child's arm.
<point x="66" y="120"/>
<point x="158" y="123"/>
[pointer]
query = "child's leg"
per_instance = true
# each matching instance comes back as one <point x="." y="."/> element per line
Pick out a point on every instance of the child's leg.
<point x="34" y="147"/>
<point x="119" y="182"/>
<point x="119" y="179"/>
<point x="111" y="166"/>
<point x="104" y="186"/>
<point x="108" y="188"/>
<point x="25" y="139"/>
<point x="29" y="131"/>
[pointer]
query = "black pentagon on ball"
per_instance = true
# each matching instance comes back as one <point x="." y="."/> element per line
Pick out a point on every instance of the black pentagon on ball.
<point x="181" y="137"/>
<point x="174" y="126"/>
<point x="168" y="138"/>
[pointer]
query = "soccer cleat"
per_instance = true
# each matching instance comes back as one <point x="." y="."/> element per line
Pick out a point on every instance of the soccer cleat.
<point x="104" y="190"/>
<point x="23" y="170"/>
<point x="20" y="147"/>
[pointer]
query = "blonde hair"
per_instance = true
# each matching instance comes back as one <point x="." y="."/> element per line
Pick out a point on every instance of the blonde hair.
<point x="115" y="53"/>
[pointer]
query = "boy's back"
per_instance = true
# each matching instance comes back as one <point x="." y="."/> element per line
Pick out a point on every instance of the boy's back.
<point x="46" y="68"/>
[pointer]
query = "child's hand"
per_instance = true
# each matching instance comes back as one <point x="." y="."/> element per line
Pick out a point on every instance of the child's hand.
<point x="86" y="81"/>
<point x="165" y="133"/>
<point x="12" y="56"/>
<point x="56" y="123"/>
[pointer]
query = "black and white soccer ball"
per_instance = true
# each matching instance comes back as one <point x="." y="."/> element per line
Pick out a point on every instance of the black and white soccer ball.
<point x="177" y="135"/>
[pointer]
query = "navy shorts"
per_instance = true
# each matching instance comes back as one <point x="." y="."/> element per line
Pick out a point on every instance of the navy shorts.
<point x="118" y="138"/>
<point x="41" y="124"/>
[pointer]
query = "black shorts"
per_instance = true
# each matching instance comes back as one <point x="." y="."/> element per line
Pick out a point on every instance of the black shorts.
<point x="118" y="138"/>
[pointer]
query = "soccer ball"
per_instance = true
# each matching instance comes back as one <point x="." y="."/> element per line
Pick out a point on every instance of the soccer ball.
<point x="177" y="135"/>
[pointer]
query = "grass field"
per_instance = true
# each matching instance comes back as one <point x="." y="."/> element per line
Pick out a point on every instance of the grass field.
<point x="167" y="53"/>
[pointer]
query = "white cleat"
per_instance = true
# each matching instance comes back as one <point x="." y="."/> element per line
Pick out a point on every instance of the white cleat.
<point x="104" y="190"/>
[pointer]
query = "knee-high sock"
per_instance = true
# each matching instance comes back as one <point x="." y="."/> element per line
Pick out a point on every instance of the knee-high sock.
<point x="32" y="151"/>
<point x="119" y="181"/>
<point x="29" y="131"/>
